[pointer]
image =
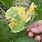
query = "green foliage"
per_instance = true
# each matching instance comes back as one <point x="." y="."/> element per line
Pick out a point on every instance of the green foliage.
<point x="4" y="32"/>
<point x="7" y="3"/>
<point x="7" y="36"/>
<point x="23" y="37"/>
<point x="39" y="10"/>
<point x="22" y="3"/>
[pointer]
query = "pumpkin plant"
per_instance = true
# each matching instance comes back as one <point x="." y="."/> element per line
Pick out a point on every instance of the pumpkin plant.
<point x="18" y="17"/>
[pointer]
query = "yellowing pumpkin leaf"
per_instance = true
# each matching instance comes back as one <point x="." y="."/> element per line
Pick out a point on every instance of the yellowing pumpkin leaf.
<point x="19" y="17"/>
<point x="31" y="9"/>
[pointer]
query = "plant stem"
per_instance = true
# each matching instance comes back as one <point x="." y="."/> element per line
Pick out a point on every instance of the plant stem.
<point x="2" y="10"/>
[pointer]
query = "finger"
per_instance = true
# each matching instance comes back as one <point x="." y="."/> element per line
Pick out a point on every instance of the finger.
<point x="34" y="24"/>
<point x="31" y="34"/>
<point x="37" y="29"/>
<point x="38" y="38"/>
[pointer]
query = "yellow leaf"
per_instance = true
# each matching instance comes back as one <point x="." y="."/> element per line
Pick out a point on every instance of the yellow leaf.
<point x="22" y="12"/>
<point x="31" y="8"/>
<point x="13" y="23"/>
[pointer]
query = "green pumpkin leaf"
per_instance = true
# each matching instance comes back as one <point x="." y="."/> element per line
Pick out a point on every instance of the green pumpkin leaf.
<point x="23" y="37"/>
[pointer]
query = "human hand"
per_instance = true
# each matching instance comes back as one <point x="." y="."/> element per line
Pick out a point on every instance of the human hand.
<point x="35" y="30"/>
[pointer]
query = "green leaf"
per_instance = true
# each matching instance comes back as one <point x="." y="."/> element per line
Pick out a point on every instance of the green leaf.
<point x="23" y="37"/>
<point x="5" y="34"/>
<point x="39" y="10"/>
<point x="7" y="3"/>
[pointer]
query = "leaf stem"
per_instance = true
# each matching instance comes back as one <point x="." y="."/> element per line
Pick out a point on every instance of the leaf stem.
<point x="2" y="10"/>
